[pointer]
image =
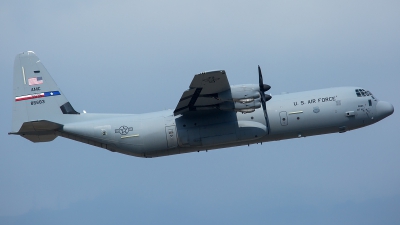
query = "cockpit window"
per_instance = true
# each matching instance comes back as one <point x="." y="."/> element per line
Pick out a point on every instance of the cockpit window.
<point x="358" y="93"/>
<point x="363" y="93"/>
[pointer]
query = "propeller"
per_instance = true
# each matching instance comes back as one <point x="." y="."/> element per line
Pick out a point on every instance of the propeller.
<point x="264" y="97"/>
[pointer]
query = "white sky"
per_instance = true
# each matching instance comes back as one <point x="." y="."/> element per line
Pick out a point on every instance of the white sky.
<point x="137" y="57"/>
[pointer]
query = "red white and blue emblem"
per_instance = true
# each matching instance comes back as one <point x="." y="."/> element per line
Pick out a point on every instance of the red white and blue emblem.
<point x="35" y="81"/>
<point x="40" y="95"/>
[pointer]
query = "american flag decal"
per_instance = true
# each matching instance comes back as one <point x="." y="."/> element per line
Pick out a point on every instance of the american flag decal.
<point x="35" y="81"/>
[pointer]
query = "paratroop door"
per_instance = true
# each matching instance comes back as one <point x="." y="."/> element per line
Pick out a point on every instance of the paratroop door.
<point x="170" y="132"/>
<point x="284" y="119"/>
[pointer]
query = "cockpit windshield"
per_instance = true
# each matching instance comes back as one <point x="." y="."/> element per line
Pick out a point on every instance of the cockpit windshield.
<point x="364" y="93"/>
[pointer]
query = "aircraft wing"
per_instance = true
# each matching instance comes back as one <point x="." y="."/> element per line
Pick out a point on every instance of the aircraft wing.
<point x="203" y="92"/>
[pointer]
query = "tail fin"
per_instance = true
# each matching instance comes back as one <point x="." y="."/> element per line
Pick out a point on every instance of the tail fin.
<point x="37" y="98"/>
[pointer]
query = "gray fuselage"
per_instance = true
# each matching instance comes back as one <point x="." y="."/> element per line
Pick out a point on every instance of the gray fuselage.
<point x="289" y="116"/>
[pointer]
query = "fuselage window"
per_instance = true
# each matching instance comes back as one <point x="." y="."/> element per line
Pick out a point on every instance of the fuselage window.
<point x="369" y="102"/>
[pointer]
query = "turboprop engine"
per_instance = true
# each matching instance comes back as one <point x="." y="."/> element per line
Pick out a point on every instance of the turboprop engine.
<point x="246" y="106"/>
<point x="243" y="98"/>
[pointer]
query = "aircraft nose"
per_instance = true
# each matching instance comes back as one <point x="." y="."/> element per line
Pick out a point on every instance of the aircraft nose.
<point x="384" y="109"/>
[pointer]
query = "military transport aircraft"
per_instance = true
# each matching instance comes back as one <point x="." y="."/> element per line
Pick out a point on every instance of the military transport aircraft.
<point x="211" y="114"/>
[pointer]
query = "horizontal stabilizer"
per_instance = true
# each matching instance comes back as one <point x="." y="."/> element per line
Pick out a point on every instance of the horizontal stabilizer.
<point x="38" y="131"/>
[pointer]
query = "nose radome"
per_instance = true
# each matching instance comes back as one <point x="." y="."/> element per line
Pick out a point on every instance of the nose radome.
<point x="384" y="109"/>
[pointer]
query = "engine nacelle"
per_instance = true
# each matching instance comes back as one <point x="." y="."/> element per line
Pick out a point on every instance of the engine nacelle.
<point x="244" y="111"/>
<point x="245" y="100"/>
<point x="237" y="92"/>
<point x="241" y="107"/>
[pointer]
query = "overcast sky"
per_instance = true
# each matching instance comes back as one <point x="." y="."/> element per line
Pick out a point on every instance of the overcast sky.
<point x="139" y="56"/>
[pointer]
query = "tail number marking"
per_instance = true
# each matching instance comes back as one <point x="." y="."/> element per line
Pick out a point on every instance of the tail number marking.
<point x="38" y="102"/>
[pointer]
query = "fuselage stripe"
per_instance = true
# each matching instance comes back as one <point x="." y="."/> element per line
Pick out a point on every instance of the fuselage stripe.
<point x="39" y="95"/>
<point x="297" y="112"/>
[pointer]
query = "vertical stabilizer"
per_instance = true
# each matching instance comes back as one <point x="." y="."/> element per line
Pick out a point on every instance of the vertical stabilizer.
<point x="36" y="95"/>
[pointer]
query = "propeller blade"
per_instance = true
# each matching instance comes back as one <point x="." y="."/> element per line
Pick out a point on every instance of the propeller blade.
<point x="260" y="80"/>
<point x="263" y="96"/>
<point x="264" y="105"/>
